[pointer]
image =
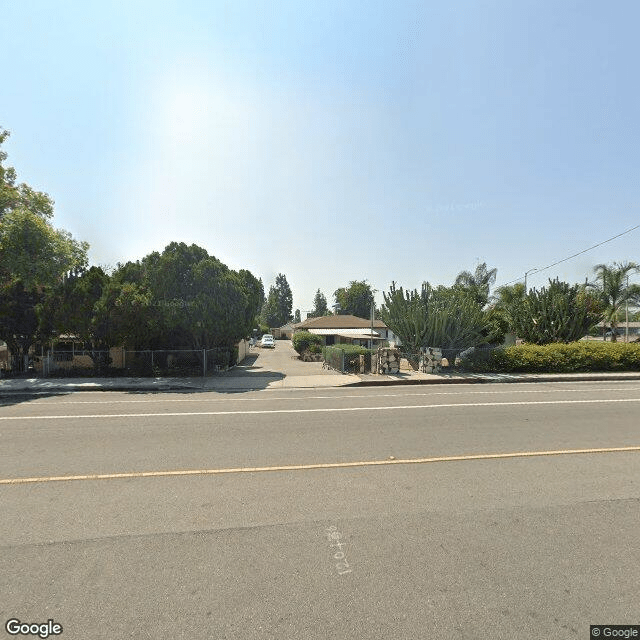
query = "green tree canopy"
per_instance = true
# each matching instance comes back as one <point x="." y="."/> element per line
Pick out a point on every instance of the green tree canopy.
<point x="319" y="305"/>
<point x="18" y="317"/>
<point x="69" y="307"/>
<point x="505" y="303"/>
<point x="19" y="196"/>
<point x="614" y="290"/>
<point x="180" y="298"/>
<point x="277" y="308"/>
<point x="478" y="283"/>
<point x="34" y="256"/>
<point x="356" y="299"/>
<point x="34" y="253"/>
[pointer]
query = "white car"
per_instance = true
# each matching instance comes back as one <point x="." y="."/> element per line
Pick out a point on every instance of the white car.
<point x="268" y="341"/>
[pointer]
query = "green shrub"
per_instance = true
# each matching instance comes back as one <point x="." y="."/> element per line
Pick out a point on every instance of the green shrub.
<point x="352" y="349"/>
<point x="573" y="357"/>
<point x="302" y="340"/>
<point x="352" y="353"/>
<point x="557" y="313"/>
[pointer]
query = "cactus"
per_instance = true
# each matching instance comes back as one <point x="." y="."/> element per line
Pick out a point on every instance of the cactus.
<point x="434" y="317"/>
<point x="557" y="313"/>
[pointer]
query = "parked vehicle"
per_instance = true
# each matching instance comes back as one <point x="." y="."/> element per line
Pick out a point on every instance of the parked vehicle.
<point x="268" y="341"/>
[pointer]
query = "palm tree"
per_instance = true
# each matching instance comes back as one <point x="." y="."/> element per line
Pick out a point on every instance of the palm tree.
<point x="478" y="283"/>
<point x="612" y="285"/>
<point x="506" y="300"/>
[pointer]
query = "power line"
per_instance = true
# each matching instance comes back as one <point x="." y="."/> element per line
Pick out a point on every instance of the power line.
<point x="570" y="257"/>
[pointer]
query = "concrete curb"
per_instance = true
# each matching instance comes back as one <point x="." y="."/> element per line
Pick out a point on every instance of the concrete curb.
<point x="173" y="386"/>
<point x="502" y="379"/>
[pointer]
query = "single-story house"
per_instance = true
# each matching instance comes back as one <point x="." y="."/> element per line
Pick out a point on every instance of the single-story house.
<point x="285" y="331"/>
<point x="634" y="328"/>
<point x="346" y="329"/>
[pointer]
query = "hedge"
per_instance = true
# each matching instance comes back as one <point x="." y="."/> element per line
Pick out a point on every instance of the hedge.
<point x="558" y="358"/>
<point x="303" y="340"/>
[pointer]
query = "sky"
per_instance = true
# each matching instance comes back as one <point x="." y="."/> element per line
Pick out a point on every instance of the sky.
<point x="333" y="141"/>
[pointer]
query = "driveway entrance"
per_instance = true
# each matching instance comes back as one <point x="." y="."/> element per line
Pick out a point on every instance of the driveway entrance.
<point x="278" y="363"/>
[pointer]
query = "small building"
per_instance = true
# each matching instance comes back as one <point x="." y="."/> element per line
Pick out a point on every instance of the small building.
<point x="634" y="329"/>
<point x="347" y="329"/>
<point x="283" y="332"/>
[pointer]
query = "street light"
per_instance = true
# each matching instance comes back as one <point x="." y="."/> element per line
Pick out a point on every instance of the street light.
<point x="526" y="273"/>
<point x="626" y="312"/>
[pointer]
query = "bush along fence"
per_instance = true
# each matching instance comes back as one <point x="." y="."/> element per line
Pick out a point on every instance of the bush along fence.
<point x="581" y="356"/>
<point x="145" y="363"/>
<point x="386" y="360"/>
<point x="574" y="357"/>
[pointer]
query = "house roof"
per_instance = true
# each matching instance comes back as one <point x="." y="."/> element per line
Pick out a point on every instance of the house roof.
<point x="346" y="333"/>
<point x="339" y="322"/>
<point x="622" y="325"/>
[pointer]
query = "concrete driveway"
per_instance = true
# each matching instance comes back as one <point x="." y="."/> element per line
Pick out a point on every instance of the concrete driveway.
<point x="280" y="368"/>
<point x="280" y="361"/>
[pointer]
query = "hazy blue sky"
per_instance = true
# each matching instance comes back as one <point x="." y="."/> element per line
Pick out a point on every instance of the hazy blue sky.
<point x="332" y="141"/>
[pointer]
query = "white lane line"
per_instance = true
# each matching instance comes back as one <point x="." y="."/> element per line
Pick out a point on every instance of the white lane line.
<point x="334" y="397"/>
<point x="322" y="410"/>
<point x="318" y="465"/>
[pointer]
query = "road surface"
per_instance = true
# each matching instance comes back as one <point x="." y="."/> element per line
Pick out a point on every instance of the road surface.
<point x="469" y="511"/>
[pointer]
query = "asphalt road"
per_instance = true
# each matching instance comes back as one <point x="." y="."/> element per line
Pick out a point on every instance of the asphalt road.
<point x="333" y="513"/>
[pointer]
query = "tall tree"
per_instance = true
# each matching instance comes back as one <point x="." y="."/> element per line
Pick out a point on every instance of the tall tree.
<point x="277" y="308"/>
<point x="506" y="301"/>
<point x="34" y="256"/>
<point x="356" y="299"/>
<point x="70" y="308"/>
<point x="319" y="305"/>
<point x="18" y="319"/>
<point x="34" y="253"/>
<point x="612" y="286"/>
<point x="182" y="297"/>
<point x="478" y="283"/>
<point x="19" y="196"/>
<point x="254" y="290"/>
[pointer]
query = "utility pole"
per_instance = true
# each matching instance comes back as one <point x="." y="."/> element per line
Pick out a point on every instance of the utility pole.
<point x="373" y="310"/>
<point x="526" y="273"/>
<point x="626" y="312"/>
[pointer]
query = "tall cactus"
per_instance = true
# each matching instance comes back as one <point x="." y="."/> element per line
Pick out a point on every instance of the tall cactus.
<point x="557" y="313"/>
<point x="437" y="317"/>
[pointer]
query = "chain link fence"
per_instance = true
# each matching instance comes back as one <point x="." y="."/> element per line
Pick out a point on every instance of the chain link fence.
<point x="453" y="359"/>
<point x="121" y="362"/>
<point x="349" y="359"/>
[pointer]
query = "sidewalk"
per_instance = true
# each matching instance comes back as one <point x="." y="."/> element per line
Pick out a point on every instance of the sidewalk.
<point x="222" y="383"/>
<point x="231" y="383"/>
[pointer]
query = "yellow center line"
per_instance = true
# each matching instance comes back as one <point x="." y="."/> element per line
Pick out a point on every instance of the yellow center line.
<point x="321" y="465"/>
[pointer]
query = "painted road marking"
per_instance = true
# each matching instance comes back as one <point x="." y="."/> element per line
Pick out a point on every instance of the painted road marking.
<point x="336" y="397"/>
<point x="322" y="410"/>
<point x="321" y="465"/>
